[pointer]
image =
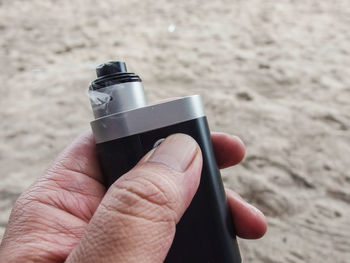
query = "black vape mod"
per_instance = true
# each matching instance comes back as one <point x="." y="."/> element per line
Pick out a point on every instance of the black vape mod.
<point x="126" y="128"/>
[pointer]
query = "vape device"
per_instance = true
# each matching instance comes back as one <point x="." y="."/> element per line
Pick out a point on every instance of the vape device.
<point x="126" y="128"/>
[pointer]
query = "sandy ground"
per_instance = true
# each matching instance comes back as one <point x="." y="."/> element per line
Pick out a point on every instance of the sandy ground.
<point x="276" y="73"/>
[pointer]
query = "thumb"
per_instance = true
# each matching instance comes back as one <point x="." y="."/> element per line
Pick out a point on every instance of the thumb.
<point x="136" y="219"/>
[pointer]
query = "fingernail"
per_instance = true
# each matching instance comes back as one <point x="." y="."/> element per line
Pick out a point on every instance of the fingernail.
<point x="177" y="152"/>
<point x="255" y="210"/>
<point x="239" y="198"/>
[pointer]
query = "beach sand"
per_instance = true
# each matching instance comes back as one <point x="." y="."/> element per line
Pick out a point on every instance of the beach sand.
<point x="275" y="73"/>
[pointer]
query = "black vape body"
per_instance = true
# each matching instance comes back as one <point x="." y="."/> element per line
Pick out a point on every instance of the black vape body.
<point x="125" y="129"/>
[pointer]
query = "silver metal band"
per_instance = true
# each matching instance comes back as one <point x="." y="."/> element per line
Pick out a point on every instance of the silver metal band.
<point x="147" y="118"/>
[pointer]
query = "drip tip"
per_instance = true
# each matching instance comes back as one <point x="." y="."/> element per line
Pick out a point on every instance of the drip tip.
<point x="111" y="67"/>
<point x="112" y="73"/>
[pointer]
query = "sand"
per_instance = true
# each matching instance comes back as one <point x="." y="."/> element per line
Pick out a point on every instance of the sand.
<point x="275" y="73"/>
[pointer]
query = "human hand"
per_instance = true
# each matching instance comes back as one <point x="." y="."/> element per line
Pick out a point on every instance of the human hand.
<point x="67" y="215"/>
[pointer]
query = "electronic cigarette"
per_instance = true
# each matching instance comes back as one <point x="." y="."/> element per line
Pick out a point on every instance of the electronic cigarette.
<point x="126" y="128"/>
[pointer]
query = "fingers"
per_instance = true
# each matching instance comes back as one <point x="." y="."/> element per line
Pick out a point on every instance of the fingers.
<point x="136" y="219"/>
<point x="80" y="156"/>
<point x="71" y="183"/>
<point x="229" y="150"/>
<point x="249" y="222"/>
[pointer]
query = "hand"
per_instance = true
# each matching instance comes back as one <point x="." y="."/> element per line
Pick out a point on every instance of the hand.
<point x="68" y="215"/>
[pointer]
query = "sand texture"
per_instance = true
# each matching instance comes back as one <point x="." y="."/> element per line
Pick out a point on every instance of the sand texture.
<point x="275" y="73"/>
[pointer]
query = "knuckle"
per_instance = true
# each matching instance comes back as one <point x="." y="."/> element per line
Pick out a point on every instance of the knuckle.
<point x="22" y="205"/>
<point x="147" y="194"/>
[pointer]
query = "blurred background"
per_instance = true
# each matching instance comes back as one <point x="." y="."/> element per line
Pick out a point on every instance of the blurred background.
<point x="275" y="73"/>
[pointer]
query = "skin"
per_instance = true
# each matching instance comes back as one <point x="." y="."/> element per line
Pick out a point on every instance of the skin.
<point x="67" y="215"/>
